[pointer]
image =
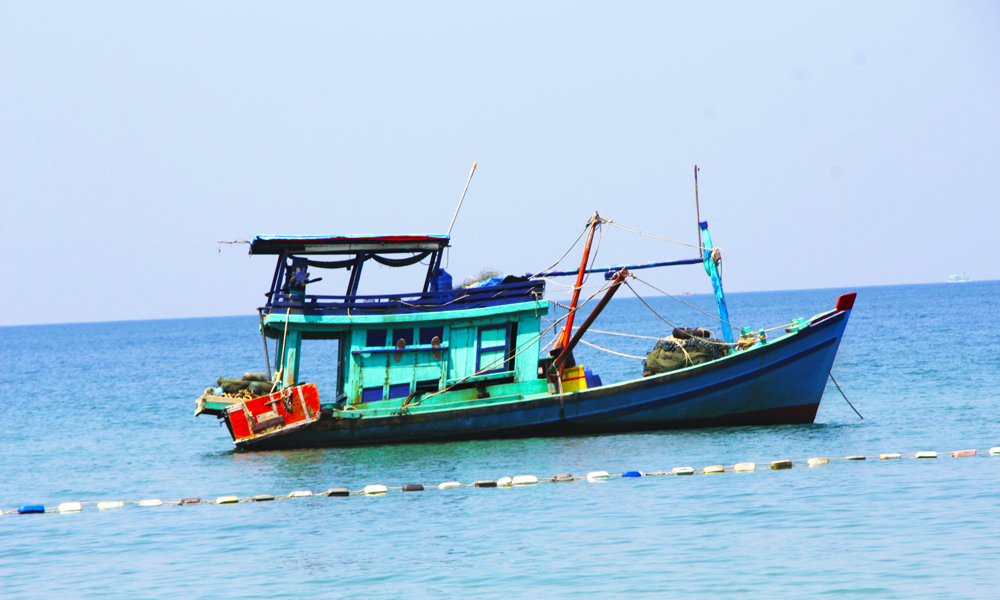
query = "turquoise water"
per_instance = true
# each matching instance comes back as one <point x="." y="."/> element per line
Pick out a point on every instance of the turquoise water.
<point x="104" y="412"/>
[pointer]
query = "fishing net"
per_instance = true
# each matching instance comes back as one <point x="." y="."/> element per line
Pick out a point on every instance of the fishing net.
<point x="671" y="353"/>
<point x="257" y="384"/>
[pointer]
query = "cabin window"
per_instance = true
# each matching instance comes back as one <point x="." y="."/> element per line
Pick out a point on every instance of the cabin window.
<point x="493" y="349"/>
<point x="402" y="334"/>
<point x="427" y="335"/>
<point x="401" y="390"/>
<point x="371" y="394"/>
<point x="376" y="338"/>
<point x="424" y="387"/>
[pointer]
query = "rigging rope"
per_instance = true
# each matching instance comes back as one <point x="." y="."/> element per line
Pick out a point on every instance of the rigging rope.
<point x="582" y="341"/>
<point x="686" y="304"/>
<point x="568" y="251"/>
<point x="708" y="340"/>
<point x="653" y="235"/>
<point x="631" y="335"/>
<point x="565" y="285"/>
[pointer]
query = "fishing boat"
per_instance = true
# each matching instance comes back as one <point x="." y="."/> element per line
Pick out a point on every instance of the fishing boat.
<point x="468" y="362"/>
<point x="958" y="278"/>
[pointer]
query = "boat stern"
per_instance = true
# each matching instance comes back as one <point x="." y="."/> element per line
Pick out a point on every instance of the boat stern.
<point x="256" y="419"/>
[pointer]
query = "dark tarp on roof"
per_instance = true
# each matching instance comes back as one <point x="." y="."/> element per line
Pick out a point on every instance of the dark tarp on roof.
<point x="386" y="244"/>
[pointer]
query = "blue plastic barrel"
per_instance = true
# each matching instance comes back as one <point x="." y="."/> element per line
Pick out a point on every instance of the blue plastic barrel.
<point x="444" y="281"/>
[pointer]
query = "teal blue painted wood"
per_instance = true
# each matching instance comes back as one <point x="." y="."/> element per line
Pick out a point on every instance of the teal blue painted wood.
<point x="713" y="272"/>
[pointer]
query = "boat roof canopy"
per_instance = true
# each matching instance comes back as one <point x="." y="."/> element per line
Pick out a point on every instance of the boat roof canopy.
<point x="348" y="244"/>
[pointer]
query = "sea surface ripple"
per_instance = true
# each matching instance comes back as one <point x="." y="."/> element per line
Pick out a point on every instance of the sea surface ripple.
<point x="103" y="411"/>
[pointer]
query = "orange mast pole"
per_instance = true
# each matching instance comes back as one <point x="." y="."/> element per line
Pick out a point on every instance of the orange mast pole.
<point x="568" y="329"/>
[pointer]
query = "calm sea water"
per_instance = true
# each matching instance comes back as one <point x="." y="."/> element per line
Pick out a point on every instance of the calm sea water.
<point x="104" y="412"/>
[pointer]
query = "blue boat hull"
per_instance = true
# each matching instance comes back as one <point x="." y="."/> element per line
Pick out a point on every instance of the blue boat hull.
<point x="778" y="383"/>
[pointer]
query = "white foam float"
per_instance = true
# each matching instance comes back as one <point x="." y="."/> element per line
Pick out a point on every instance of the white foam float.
<point x="597" y="475"/>
<point x="69" y="507"/>
<point x="815" y="462"/>
<point x="890" y="456"/>
<point x="151" y="502"/>
<point x="524" y="480"/>
<point x="925" y="454"/>
<point x="745" y="467"/>
<point x="714" y="469"/>
<point x="447" y="485"/>
<point x="108" y="505"/>
<point x="374" y="489"/>
<point x="227" y="500"/>
<point x="505" y="482"/>
<point x="300" y="494"/>
<point x="682" y="471"/>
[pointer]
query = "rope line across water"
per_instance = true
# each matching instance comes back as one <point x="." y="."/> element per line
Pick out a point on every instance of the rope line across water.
<point x="507" y="481"/>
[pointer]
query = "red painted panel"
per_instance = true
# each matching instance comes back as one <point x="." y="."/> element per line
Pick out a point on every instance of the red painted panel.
<point x="846" y="302"/>
<point x="238" y="421"/>
<point x="291" y="406"/>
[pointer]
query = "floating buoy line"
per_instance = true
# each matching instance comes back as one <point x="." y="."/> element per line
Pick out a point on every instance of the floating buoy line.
<point x="503" y="482"/>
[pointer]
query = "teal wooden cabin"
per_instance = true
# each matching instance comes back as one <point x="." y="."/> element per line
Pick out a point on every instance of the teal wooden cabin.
<point x="387" y="362"/>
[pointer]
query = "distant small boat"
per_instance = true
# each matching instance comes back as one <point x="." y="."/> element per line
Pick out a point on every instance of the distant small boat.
<point x="958" y="278"/>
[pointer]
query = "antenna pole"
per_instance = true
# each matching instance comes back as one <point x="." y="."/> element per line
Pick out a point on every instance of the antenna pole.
<point x="697" y="209"/>
<point x="461" y="199"/>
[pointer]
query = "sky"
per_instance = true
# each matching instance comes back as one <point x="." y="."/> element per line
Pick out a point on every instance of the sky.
<point x="839" y="143"/>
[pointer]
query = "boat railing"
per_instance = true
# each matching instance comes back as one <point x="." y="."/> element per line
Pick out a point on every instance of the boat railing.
<point x="414" y="302"/>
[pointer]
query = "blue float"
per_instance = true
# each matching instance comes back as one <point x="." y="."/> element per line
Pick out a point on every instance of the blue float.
<point x="30" y="509"/>
<point x="632" y="474"/>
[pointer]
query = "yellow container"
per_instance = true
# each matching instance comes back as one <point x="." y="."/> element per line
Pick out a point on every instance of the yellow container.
<point x="574" y="379"/>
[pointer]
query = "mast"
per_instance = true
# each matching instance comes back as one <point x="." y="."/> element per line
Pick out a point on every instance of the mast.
<point x="697" y="208"/>
<point x="568" y="328"/>
<point x="709" y="258"/>
<point x="459" y="207"/>
<point x="558" y="362"/>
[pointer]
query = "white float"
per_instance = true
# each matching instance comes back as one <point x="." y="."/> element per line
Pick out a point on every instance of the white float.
<point x="449" y="485"/>
<point x="890" y="456"/>
<point x="152" y="502"/>
<point x="505" y="482"/>
<point x="925" y="454"/>
<point x="714" y="469"/>
<point x="227" y="500"/>
<point x="525" y="480"/>
<point x="300" y="494"/>
<point x="107" y="505"/>
<point x="70" y="507"/>
<point x="682" y="471"/>
<point x="596" y="475"/>
<point x="815" y="462"/>
<point x="745" y="467"/>
<point x="374" y="489"/>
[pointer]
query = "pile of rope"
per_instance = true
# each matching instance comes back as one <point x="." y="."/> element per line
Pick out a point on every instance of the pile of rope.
<point x="683" y="348"/>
